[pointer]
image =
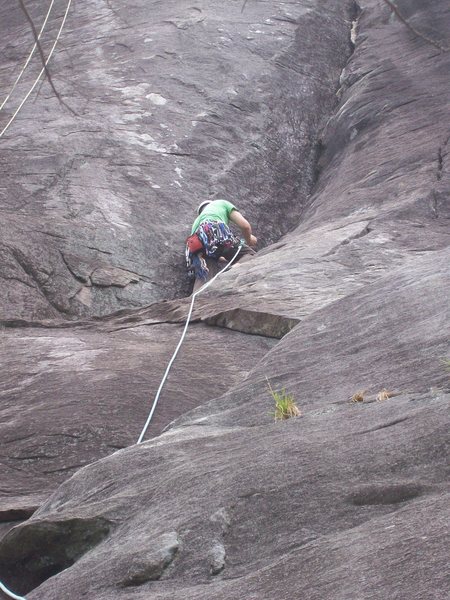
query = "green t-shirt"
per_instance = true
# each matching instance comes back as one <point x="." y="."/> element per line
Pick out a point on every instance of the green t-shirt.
<point x="217" y="210"/>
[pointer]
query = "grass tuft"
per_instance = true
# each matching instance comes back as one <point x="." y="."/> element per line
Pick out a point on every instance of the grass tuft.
<point x="285" y="406"/>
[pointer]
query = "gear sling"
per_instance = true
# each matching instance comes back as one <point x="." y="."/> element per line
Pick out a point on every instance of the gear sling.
<point x="213" y="239"/>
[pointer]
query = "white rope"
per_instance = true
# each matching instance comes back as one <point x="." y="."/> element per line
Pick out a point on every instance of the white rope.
<point x="5" y="590"/>
<point x="202" y="289"/>
<point x="29" y="57"/>
<point x="40" y="74"/>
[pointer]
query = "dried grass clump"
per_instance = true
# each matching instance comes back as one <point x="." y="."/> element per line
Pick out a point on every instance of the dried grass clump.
<point x="358" y="396"/>
<point x="384" y="394"/>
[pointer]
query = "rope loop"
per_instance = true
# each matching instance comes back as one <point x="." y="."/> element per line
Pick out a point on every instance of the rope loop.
<point x="9" y="593"/>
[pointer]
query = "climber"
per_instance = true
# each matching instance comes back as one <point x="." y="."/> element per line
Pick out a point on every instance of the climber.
<point x="212" y="242"/>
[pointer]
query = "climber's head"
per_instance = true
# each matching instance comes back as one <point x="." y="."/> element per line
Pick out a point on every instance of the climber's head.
<point x="202" y="206"/>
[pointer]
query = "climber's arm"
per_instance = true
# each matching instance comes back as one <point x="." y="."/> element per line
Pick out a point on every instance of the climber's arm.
<point x="244" y="226"/>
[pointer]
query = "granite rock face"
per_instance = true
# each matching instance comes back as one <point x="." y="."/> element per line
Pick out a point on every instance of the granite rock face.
<point x="175" y="102"/>
<point x="224" y="95"/>
<point x="328" y="121"/>
<point x="285" y="509"/>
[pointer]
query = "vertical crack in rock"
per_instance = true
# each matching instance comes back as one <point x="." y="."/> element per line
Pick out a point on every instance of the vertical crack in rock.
<point x="440" y="164"/>
<point x="439" y="191"/>
<point x="40" y="278"/>
<point x="355" y="12"/>
<point x="442" y="155"/>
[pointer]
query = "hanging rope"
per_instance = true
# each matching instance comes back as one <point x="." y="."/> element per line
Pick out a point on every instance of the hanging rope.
<point x="30" y="56"/>
<point x="194" y="295"/>
<point x="40" y="74"/>
<point x="3" y="588"/>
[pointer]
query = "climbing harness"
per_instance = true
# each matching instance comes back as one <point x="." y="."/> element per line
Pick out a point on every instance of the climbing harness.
<point x="41" y="72"/>
<point x="194" y="295"/>
<point x="5" y="590"/>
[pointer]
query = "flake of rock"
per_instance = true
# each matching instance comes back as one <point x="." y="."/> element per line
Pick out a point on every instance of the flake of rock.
<point x="217" y="558"/>
<point x="105" y="277"/>
<point x="149" y="565"/>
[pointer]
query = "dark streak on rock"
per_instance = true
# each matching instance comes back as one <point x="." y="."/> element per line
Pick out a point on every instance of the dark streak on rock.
<point x="386" y="494"/>
<point x="384" y="425"/>
<point x="74" y="275"/>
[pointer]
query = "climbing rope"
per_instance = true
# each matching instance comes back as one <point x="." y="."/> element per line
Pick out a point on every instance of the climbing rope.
<point x="3" y="587"/>
<point x="194" y="295"/>
<point x="30" y="56"/>
<point x="42" y="70"/>
<point x="5" y="590"/>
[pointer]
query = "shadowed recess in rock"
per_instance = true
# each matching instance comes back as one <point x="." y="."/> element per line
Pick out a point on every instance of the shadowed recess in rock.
<point x="30" y="556"/>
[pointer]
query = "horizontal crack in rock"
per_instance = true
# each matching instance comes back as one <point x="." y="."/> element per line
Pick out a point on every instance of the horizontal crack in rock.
<point x="253" y="322"/>
<point x="16" y="513"/>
